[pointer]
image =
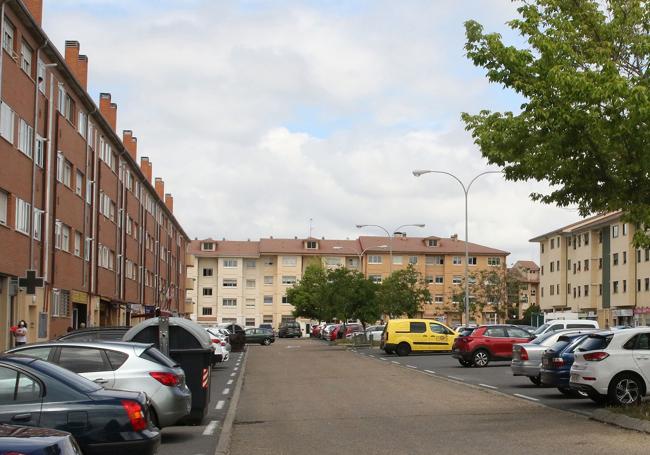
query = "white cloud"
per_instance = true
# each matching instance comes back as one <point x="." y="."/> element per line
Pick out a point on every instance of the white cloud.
<point x="260" y="116"/>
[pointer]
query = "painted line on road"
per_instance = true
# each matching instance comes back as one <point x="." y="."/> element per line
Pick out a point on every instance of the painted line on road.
<point x="395" y="362"/>
<point x="229" y="382"/>
<point x="226" y="391"/>
<point x="370" y="355"/>
<point x="233" y="374"/>
<point x="411" y="366"/>
<point x="430" y="371"/>
<point x="210" y="428"/>
<point x="456" y="378"/>
<point x="382" y="358"/>
<point x="525" y="397"/>
<point x="235" y="369"/>
<point x="488" y="386"/>
<point x="219" y="405"/>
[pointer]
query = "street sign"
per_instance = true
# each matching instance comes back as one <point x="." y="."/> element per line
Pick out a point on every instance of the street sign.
<point x="31" y="282"/>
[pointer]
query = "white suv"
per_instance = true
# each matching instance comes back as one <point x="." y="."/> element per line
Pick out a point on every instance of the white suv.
<point x="613" y="366"/>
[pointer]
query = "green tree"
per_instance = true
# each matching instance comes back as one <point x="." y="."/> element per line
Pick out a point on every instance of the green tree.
<point x="530" y="313"/>
<point x="404" y="292"/>
<point x="584" y="79"/>
<point x="351" y="295"/>
<point x="488" y="289"/>
<point x="309" y="295"/>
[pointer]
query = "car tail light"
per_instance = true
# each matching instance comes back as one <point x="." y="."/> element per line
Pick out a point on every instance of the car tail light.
<point x="168" y="379"/>
<point x="223" y="343"/>
<point x="215" y="340"/>
<point x="595" y="356"/>
<point x="558" y="362"/>
<point x="136" y="415"/>
<point x="523" y="354"/>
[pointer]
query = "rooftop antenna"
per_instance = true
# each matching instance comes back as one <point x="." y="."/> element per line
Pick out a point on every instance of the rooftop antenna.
<point x="311" y="227"/>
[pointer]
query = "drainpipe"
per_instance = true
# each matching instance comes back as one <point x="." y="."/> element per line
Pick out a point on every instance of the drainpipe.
<point x="93" y="228"/>
<point x="48" y="179"/>
<point x="85" y="202"/>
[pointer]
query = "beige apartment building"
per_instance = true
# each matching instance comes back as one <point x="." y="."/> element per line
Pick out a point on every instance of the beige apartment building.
<point x="527" y="274"/>
<point x="590" y="268"/>
<point x="246" y="281"/>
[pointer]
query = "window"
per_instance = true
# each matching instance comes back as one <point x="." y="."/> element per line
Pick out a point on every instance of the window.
<point x="586" y="288"/>
<point x="586" y="238"/>
<point x="79" y="184"/>
<point x="77" y="243"/>
<point x="615" y="258"/>
<point x="23" y="215"/>
<point x="25" y="137"/>
<point x="229" y="283"/>
<point x="40" y="151"/>
<point x="38" y="223"/>
<point x="268" y="262"/>
<point x="207" y="272"/>
<point x="435" y="260"/>
<point x="289" y="261"/>
<point x="250" y="303"/>
<point x="553" y="267"/>
<point x="87" y="246"/>
<point x="63" y="170"/>
<point x="207" y="292"/>
<point x="557" y="266"/>
<point x="586" y="265"/>
<point x="8" y="38"/>
<point x="17" y="387"/>
<point x="624" y="256"/>
<point x="285" y="300"/>
<point x="439" y="279"/>
<point x="600" y="263"/>
<point x="4" y="199"/>
<point x="82" y="124"/>
<point x="268" y="280"/>
<point x="439" y="298"/>
<point x="250" y="322"/>
<point x="600" y="289"/>
<point x="268" y="300"/>
<point x="26" y="54"/>
<point x="206" y="311"/>
<point x="457" y="260"/>
<point x="375" y="278"/>
<point x="7" y="118"/>
<point x="541" y="246"/>
<point x="428" y="279"/>
<point x="418" y="327"/>
<point x="229" y="302"/>
<point x="41" y="74"/>
<point x="493" y="261"/>
<point x="552" y="243"/>
<point x="82" y="360"/>
<point x="624" y="285"/>
<point x="457" y="279"/>
<point x="615" y="287"/>
<point x="250" y="263"/>
<point x="471" y="260"/>
<point x="397" y="260"/>
<point x="207" y="246"/>
<point x="60" y="303"/>
<point x="230" y="263"/>
<point x="89" y="191"/>
<point x="499" y="332"/>
<point x="615" y="231"/>
<point x="646" y="284"/>
<point x="250" y="284"/>
<point x="374" y="259"/>
<point x="312" y="244"/>
<point x="413" y="260"/>
<point x="432" y="242"/>
<point x="624" y="228"/>
<point x="288" y="280"/>
<point x="333" y="261"/>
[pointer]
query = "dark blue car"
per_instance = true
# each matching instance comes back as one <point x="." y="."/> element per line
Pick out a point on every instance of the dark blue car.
<point x="36" y="441"/>
<point x="40" y="394"/>
<point x="557" y="361"/>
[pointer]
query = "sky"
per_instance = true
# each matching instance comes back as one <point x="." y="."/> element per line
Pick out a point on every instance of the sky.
<point x="263" y="115"/>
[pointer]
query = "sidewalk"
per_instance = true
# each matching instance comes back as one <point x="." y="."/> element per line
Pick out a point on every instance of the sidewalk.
<point x="306" y="397"/>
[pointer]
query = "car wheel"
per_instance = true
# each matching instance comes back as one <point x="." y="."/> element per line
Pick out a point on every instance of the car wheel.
<point x="535" y="380"/>
<point x="625" y="390"/>
<point x="481" y="358"/>
<point x="266" y="342"/>
<point x="403" y="349"/>
<point x="465" y="363"/>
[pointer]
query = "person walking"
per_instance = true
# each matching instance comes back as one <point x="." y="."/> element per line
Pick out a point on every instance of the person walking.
<point x="20" y="333"/>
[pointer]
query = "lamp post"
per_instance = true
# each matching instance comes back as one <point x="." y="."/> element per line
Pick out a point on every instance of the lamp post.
<point x="390" y="238"/>
<point x="420" y="172"/>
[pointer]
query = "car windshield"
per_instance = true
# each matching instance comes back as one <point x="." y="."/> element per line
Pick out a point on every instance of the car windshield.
<point x="559" y="344"/>
<point x="466" y="332"/>
<point x="540" y="329"/>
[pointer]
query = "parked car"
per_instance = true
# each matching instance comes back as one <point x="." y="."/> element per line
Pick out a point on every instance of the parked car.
<point x="613" y="366"/>
<point x="96" y="334"/>
<point x="561" y="324"/>
<point x="138" y="367"/>
<point x="345" y="330"/>
<point x="557" y="361"/>
<point x="259" y="336"/>
<point x="403" y="336"/>
<point x="38" y="393"/>
<point x="326" y="332"/>
<point x="221" y="344"/>
<point x="315" y="331"/>
<point x="289" y="329"/>
<point x="375" y="331"/>
<point x="18" y="440"/>
<point x="528" y="328"/>
<point x="268" y="326"/>
<point x="527" y="357"/>
<point x="237" y="337"/>
<point x="487" y="343"/>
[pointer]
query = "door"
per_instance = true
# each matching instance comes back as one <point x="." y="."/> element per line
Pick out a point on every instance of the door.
<point x="419" y="336"/>
<point x="641" y="351"/>
<point x="498" y="342"/>
<point x="20" y="398"/>
<point x="441" y="337"/>
<point x="90" y="363"/>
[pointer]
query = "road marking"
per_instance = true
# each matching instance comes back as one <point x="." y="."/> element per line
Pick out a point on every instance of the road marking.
<point x="456" y="378"/>
<point x="430" y="371"/>
<point x="220" y="404"/>
<point x="226" y="391"/>
<point x="395" y="362"/>
<point x="233" y="374"/>
<point x="229" y="382"/>
<point x="525" y="397"/>
<point x="236" y="368"/>
<point x="210" y="428"/>
<point x="411" y="366"/>
<point x="488" y="386"/>
<point x="370" y="355"/>
<point x="382" y="358"/>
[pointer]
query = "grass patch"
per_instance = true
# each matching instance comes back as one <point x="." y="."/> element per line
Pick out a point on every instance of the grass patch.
<point x="642" y="411"/>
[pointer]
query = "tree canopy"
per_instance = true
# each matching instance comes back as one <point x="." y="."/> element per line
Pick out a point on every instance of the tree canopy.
<point x="584" y="75"/>
<point x="404" y="292"/>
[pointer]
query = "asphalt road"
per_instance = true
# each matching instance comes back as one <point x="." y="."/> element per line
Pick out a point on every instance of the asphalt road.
<point x="202" y="439"/>
<point x="496" y="376"/>
<point x="304" y="396"/>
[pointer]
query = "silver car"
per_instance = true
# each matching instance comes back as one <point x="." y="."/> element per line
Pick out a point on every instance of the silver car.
<point x="527" y="357"/>
<point x="138" y="367"/>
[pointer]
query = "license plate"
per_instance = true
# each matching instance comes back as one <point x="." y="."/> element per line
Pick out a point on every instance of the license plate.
<point x="574" y="377"/>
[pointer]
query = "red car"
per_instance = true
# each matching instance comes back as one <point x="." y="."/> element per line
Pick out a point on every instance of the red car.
<point x="315" y="331"/>
<point x="477" y="347"/>
<point x="349" y="328"/>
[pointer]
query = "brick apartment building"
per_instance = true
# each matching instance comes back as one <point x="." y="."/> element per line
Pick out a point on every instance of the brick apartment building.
<point x="75" y="206"/>
<point x="246" y="281"/>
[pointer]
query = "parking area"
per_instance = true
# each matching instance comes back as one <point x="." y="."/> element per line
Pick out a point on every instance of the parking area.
<point x="496" y="376"/>
<point x="202" y="439"/>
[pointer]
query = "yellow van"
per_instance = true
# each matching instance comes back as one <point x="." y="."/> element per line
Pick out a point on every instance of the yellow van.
<point x="403" y="336"/>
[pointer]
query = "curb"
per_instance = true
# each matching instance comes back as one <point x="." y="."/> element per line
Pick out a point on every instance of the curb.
<point x="223" y="445"/>
<point x="621" y="420"/>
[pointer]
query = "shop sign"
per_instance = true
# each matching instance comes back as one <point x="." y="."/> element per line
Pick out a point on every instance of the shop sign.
<point x="79" y="297"/>
<point x="622" y="313"/>
<point x="642" y="310"/>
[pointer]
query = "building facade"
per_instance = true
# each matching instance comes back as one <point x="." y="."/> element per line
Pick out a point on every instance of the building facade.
<point x="75" y="207"/>
<point x="526" y="273"/>
<point x="246" y="282"/>
<point x="592" y="268"/>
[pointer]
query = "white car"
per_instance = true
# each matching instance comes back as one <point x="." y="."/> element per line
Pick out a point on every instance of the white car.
<point x="220" y="343"/>
<point x="613" y="366"/>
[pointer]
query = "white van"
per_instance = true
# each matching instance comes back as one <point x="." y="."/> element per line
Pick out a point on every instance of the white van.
<point x="561" y="324"/>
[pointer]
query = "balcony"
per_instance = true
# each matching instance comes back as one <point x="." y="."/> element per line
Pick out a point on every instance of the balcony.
<point x="189" y="284"/>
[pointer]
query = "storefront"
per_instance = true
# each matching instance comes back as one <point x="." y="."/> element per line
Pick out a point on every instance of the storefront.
<point x="642" y="316"/>
<point x="623" y="316"/>
<point x="79" y="301"/>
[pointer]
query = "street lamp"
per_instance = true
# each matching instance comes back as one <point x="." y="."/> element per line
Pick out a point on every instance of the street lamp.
<point x="390" y="237"/>
<point x="419" y="173"/>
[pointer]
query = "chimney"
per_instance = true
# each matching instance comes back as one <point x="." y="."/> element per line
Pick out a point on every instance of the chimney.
<point x="108" y="109"/>
<point x="169" y="202"/>
<point x="82" y="68"/>
<point x="78" y="64"/>
<point x="160" y="188"/>
<point x="454" y="237"/>
<point x="131" y="144"/>
<point x="35" y="8"/>
<point x="145" y="165"/>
